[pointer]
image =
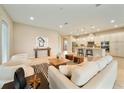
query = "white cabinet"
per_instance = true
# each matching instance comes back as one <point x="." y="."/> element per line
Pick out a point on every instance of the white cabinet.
<point x="121" y="49"/>
<point x="116" y="40"/>
<point x="116" y="44"/>
<point x="117" y="48"/>
<point x="113" y="49"/>
<point x="0" y="45"/>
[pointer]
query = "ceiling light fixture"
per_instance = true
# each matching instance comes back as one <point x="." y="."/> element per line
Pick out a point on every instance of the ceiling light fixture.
<point x="60" y="26"/>
<point x="31" y="18"/>
<point x="71" y="33"/>
<point x="98" y="29"/>
<point x="112" y="21"/>
<point x="82" y="29"/>
<point x="115" y="26"/>
<point x="85" y="32"/>
<point x="77" y="39"/>
<point x="92" y="26"/>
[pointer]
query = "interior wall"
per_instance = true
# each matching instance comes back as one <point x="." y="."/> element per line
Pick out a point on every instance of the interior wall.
<point x="25" y="39"/>
<point x="0" y="45"/>
<point x="69" y="39"/>
<point x="4" y="16"/>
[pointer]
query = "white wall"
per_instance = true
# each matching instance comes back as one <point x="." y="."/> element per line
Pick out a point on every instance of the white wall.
<point x="69" y="39"/>
<point x="24" y="39"/>
<point x="0" y="44"/>
<point x="4" y="16"/>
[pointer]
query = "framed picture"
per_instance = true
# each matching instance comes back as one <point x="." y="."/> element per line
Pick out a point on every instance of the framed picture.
<point x="41" y="42"/>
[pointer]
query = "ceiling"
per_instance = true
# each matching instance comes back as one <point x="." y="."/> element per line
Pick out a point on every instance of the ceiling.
<point x="74" y="19"/>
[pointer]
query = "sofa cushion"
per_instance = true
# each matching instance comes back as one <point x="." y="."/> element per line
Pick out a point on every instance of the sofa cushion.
<point x="7" y="73"/>
<point x="66" y="69"/>
<point x="10" y="70"/>
<point x="10" y="63"/>
<point x="2" y="82"/>
<point x="109" y="58"/>
<point x="104" y="61"/>
<point x="19" y="58"/>
<point x="101" y="63"/>
<point x="81" y="74"/>
<point x="28" y="69"/>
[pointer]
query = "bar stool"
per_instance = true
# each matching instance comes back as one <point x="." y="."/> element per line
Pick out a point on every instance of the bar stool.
<point x="89" y="52"/>
<point x="80" y="52"/>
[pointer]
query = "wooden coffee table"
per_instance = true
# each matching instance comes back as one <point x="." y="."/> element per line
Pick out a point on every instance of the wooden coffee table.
<point x="57" y="62"/>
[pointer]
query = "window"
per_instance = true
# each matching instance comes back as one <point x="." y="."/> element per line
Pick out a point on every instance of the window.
<point x="5" y="42"/>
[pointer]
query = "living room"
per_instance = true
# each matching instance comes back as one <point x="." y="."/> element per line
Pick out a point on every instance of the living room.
<point x="71" y="40"/>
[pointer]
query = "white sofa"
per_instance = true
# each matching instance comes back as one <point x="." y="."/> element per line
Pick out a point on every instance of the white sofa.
<point x="8" y="69"/>
<point x="104" y="79"/>
<point x="7" y="73"/>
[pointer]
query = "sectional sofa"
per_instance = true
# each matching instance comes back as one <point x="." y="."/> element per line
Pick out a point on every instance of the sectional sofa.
<point x="100" y="74"/>
<point x="87" y="75"/>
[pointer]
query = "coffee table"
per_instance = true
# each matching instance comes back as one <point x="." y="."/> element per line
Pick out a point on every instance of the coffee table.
<point x="57" y="62"/>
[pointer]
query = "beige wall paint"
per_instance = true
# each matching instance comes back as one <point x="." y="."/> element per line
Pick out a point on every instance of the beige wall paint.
<point x="4" y="16"/>
<point x="69" y="39"/>
<point x="25" y="35"/>
<point x="0" y="44"/>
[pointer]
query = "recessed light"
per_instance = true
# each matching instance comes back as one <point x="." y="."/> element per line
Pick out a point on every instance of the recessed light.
<point x="83" y="39"/>
<point x="78" y="34"/>
<point x="112" y="21"/>
<point x="85" y="32"/>
<point x="115" y="26"/>
<point x="71" y="33"/>
<point x="82" y="29"/>
<point x="32" y="18"/>
<point x="98" y="29"/>
<point x="92" y="26"/>
<point x="78" y="39"/>
<point x="60" y="26"/>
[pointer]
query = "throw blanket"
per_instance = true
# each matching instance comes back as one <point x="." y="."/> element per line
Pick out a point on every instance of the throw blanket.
<point x="41" y="68"/>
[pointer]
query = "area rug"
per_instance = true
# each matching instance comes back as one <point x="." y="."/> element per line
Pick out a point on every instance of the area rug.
<point x="41" y="68"/>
